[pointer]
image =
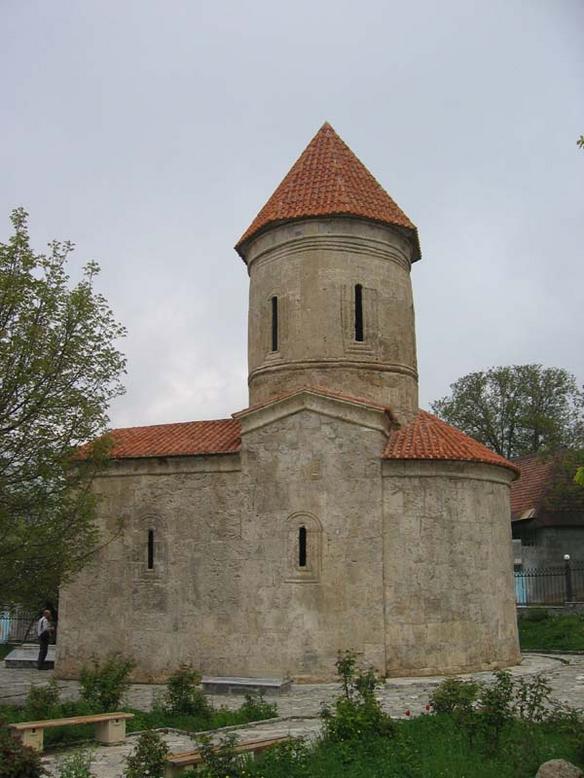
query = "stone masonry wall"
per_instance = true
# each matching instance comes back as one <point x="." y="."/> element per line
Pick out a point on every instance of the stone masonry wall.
<point x="450" y="604"/>
<point x="312" y="266"/>
<point x="226" y="592"/>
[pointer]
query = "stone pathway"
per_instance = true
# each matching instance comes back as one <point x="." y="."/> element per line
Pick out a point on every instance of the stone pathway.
<point x="297" y="710"/>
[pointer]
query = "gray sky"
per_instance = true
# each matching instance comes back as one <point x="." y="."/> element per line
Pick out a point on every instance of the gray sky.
<point x="150" y="132"/>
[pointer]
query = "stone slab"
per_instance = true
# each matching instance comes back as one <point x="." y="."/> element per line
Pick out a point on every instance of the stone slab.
<point x="237" y="685"/>
<point x="27" y="655"/>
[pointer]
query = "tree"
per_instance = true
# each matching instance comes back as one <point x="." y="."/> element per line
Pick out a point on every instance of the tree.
<point x="517" y="410"/>
<point x="59" y="369"/>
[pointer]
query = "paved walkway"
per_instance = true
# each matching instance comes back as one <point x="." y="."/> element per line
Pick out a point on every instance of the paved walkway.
<point x="297" y="710"/>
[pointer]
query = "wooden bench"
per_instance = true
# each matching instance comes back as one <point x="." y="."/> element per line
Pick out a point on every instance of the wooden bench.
<point x="109" y="728"/>
<point x="179" y="762"/>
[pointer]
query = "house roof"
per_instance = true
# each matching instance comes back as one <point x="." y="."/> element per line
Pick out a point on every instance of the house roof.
<point x="190" y="438"/>
<point x="529" y="491"/>
<point x="329" y="180"/>
<point x="428" y="437"/>
<point x="546" y="491"/>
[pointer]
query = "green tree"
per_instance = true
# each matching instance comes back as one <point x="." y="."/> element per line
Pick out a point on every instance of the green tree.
<point x="517" y="410"/>
<point x="59" y="369"/>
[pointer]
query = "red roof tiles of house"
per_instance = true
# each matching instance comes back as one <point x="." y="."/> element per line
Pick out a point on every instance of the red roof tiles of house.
<point x="329" y="180"/>
<point x="538" y="474"/>
<point x="428" y="437"/>
<point x="190" y="438"/>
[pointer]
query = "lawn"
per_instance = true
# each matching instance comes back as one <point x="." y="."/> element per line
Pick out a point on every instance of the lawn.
<point x="432" y="746"/>
<point x="5" y="649"/>
<point x="539" y="631"/>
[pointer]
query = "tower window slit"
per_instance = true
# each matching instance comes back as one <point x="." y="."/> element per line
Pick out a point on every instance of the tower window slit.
<point x="358" y="312"/>
<point x="150" y="549"/>
<point x="302" y="547"/>
<point x="274" y="323"/>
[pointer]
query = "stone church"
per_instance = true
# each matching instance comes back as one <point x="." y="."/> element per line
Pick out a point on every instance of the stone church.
<point x="329" y="514"/>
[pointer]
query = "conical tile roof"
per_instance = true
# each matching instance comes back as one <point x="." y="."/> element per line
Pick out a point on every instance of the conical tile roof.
<point x="428" y="437"/>
<point x="329" y="180"/>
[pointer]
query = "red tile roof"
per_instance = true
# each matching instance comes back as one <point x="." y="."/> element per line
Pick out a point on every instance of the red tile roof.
<point x="528" y="492"/>
<point x="188" y="438"/>
<point x="329" y="180"/>
<point x="428" y="437"/>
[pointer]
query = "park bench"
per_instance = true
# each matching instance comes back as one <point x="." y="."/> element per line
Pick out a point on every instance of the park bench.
<point x="176" y="763"/>
<point x="109" y="728"/>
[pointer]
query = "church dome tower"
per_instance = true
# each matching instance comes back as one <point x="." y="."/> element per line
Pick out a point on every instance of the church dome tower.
<point x="329" y="258"/>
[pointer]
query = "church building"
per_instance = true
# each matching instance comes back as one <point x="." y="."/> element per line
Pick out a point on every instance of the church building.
<point x="331" y="513"/>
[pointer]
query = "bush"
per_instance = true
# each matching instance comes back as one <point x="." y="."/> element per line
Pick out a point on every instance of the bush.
<point x="76" y="765"/>
<point x="454" y="695"/>
<point x="357" y="713"/>
<point x="220" y="760"/>
<point x="16" y="760"/>
<point x="183" y="696"/>
<point x="255" y="708"/>
<point x="42" y="702"/>
<point x="103" y="685"/>
<point x="148" y="758"/>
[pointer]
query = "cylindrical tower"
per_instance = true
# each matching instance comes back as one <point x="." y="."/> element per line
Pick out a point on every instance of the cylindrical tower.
<point x="329" y="259"/>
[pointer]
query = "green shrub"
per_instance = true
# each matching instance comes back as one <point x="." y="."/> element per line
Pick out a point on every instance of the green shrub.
<point x="183" y="695"/>
<point x="148" y="758"/>
<point x="42" y="702"/>
<point x="454" y="695"/>
<point x="221" y="760"/>
<point x="16" y="760"/>
<point x="357" y="713"/>
<point x="104" y="684"/>
<point x="255" y="707"/>
<point x="76" y="765"/>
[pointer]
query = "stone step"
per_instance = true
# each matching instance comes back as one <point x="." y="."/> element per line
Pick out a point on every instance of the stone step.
<point x="27" y="654"/>
<point x="238" y="685"/>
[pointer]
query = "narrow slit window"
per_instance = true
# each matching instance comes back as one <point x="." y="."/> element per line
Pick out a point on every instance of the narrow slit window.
<point x="150" y="549"/>
<point x="358" y="312"/>
<point x="302" y="547"/>
<point x="274" y="323"/>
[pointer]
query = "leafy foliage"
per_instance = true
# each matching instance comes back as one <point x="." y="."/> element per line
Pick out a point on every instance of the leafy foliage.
<point x="183" y="695"/>
<point x="357" y="713"/>
<point x="148" y="759"/>
<point x="516" y="410"/>
<point x="76" y="765"/>
<point x="454" y="695"/>
<point x="42" y="702"/>
<point x="59" y="369"/>
<point x="255" y="707"/>
<point x="104" y="684"/>
<point x="220" y="760"/>
<point x="16" y="760"/>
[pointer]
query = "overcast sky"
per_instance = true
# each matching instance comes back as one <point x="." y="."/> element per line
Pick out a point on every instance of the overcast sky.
<point x="150" y="132"/>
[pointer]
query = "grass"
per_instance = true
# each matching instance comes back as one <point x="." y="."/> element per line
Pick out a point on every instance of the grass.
<point x="426" y="747"/>
<point x="64" y="736"/>
<point x="539" y="631"/>
<point x="5" y="649"/>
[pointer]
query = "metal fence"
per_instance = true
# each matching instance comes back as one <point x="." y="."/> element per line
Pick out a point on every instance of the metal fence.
<point x="17" y="626"/>
<point x="550" y="585"/>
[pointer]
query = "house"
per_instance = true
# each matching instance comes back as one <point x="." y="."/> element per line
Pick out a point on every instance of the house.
<point x="547" y="512"/>
<point x="331" y="513"/>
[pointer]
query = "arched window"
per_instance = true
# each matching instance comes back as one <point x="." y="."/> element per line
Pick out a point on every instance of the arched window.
<point x="358" y="312"/>
<point x="274" y="323"/>
<point x="150" y="549"/>
<point x="302" y="547"/>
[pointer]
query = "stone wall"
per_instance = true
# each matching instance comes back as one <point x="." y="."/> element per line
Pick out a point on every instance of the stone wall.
<point x="226" y="592"/>
<point x="450" y="604"/>
<point x="313" y="266"/>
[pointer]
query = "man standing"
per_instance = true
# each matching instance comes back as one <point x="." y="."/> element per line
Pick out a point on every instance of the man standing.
<point x="44" y="630"/>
